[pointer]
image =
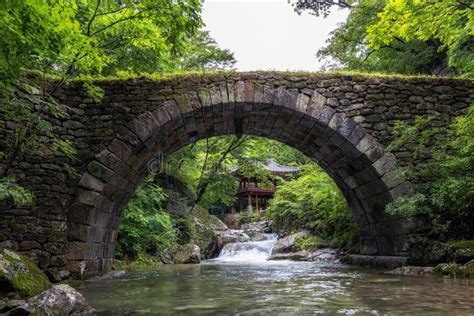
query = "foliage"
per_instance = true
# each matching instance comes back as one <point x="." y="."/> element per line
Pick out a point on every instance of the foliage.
<point x="313" y="202"/>
<point x="460" y="248"/>
<point x="72" y="38"/>
<point x="451" y="22"/>
<point x="310" y="243"/>
<point x="399" y="36"/>
<point x="320" y="7"/>
<point x="348" y="47"/>
<point x="146" y="227"/>
<point x="444" y="181"/>
<point x="251" y="217"/>
<point x="9" y="189"/>
<point x="451" y="269"/>
<point x="81" y="39"/>
<point x="253" y="169"/>
<point x="21" y="274"/>
<point x="206" y="164"/>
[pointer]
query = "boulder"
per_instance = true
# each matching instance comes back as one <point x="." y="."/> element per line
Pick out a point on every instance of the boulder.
<point x="411" y="271"/>
<point x="469" y="267"/>
<point x="256" y="236"/>
<point x="188" y="253"/>
<point x="287" y="244"/>
<point x="212" y="247"/>
<point x="61" y="299"/>
<point x="56" y="275"/>
<point x="264" y="227"/>
<point x="451" y="269"/>
<point x="320" y="255"/>
<point x="231" y="220"/>
<point x="385" y="262"/>
<point x="232" y="236"/>
<point x="21" y="275"/>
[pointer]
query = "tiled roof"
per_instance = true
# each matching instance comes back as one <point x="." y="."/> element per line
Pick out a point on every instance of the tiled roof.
<point x="272" y="167"/>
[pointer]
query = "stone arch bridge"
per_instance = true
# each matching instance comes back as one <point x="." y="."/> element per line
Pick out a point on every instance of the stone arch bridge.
<point x="342" y="121"/>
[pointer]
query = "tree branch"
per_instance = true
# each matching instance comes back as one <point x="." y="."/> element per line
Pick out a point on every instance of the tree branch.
<point x="93" y="17"/>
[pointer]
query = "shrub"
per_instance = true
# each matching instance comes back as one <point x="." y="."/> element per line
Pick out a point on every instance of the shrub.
<point x="146" y="227"/>
<point x="313" y="201"/>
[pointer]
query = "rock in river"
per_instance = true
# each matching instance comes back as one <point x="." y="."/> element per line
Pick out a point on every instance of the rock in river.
<point x="188" y="253"/>
<point x="21" y="275"/>
<point x="61" y="299"/>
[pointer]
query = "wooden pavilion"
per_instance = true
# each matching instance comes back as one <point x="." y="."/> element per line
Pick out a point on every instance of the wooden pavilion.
<point x="252" y="195"/>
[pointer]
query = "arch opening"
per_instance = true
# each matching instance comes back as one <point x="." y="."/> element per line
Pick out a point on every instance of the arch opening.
<point x="353" y="158"/>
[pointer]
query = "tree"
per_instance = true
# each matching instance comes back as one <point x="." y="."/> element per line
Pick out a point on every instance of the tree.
<point x="391" y="36"/>
<point x="444" y="184"/>
<point x="320" y="7"/>
<point x="76" y="38"/>
<point x="79" y="39"/>
<point x="348" y="47"/>
<point x="449" y="22"/>
<point x="313" y="201"/>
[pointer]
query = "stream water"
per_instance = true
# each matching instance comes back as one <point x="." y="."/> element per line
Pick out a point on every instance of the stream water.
<point x="242" y="282"/>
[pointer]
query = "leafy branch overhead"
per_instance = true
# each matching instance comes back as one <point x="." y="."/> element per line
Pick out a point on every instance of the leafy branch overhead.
<point x="87" y="39"/>
<point x="399" y="36"/>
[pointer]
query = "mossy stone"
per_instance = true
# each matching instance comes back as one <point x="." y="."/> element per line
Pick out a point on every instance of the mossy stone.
<point x="21" y="275"/>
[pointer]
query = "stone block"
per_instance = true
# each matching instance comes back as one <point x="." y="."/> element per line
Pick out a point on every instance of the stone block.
<point x="100" y="171"/>
<point x="183" y="102"/>
<point x="279" y="96"/>
<point x="161" y="116"/>
<point x="239" y="91"/>
<point x="302" y="102"/>
<point x="173" y="110"/>
<point x="367" y="142"/>
<point x="404" y="189"/>
<point x="87" y="197"/>
<point x="385" y="164"/>
<point x="290" y="99"/>
<point x="268" y="94"/>
<point x="90" y="182"/>
<point x="248" y="92"/>
<point x="215" y="94"/>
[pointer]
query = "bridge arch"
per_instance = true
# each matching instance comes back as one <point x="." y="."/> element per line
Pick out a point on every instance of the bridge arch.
<point x="307" y="117"/>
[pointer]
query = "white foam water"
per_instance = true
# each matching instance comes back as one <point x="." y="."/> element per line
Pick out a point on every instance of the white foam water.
<point x="251" y="251"/>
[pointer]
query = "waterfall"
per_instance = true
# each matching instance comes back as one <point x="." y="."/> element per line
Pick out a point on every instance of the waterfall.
<point x="251" y="251"/>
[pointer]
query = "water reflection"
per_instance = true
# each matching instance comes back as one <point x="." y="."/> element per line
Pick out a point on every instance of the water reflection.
<point x="277" y="288"/>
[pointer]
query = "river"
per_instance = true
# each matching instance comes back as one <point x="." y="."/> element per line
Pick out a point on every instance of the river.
<point x="242" y="282"/>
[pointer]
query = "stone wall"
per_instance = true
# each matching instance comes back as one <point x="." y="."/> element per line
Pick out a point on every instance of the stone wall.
<point x="342" y="121"/>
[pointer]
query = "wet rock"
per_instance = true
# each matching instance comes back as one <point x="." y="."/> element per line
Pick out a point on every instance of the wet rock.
<point x="264" y="227"/>
<point x="61" y="299"/>
<point x="388" y="262"/>
<point x="212" y="247"/>
<point x="469" y="266"/>
<point x="232" y="236"/>
<point x="189" y="253"/>
<point x="451" y="269"/>
<point x="20" y="275"/>
<point x="55" y="275"/>
<point x="231" y="220"/>
<point x="287" y="244"/>
<point x="411" y="271"/>
<point x="256" y="236"/>
<point x="320" y="255"/>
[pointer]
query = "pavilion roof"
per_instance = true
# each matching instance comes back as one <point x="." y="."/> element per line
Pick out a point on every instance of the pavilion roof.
<point x="271" y="166"/>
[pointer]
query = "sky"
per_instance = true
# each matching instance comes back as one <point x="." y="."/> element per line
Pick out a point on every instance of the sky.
<point x="268" y="34"/>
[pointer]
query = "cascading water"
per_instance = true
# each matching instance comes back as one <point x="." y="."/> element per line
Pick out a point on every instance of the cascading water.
<point x="251" y="251"/>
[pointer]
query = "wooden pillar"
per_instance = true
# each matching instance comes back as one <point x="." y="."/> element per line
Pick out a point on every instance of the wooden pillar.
<point x="256" y="202"/>
<point x="249" y="202"/>
<point x="241" y="204"/>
